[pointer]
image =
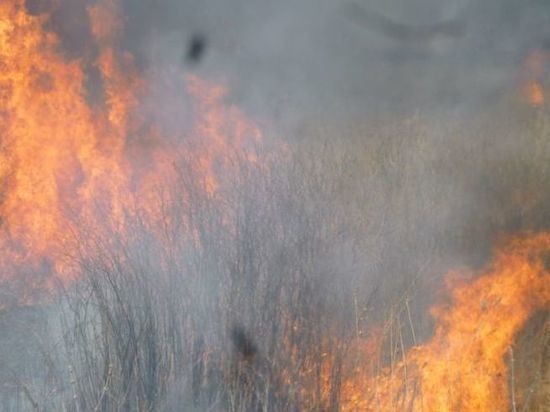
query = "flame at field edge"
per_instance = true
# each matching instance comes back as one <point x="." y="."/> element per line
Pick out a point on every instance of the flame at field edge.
<point x="464" y="366"/>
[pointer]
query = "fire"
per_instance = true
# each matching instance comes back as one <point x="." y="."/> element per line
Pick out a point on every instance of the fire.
<point x="534" y="93"/>
<point x="464" y="366"/>
<point x="533" y="88"/>
<point x="65" y="159"/>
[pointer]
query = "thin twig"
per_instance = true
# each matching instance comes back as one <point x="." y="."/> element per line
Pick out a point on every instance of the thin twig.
<point x="512" y="379"/>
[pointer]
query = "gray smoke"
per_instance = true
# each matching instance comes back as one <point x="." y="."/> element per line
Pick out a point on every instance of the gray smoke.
<point x="404" y="163"/>
<point x="303" y="58"/>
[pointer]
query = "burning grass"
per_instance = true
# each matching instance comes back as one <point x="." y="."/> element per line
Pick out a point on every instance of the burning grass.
<point x="215" y="268"/>
<point x="463" y="366"/>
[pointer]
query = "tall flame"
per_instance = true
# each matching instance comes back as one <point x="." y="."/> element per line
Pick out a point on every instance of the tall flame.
<point x="463" y="367"/>
<point x="62" y="155"/>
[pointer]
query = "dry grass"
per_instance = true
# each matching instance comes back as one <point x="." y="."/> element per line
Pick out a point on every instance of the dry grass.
<point x="353" y="231"/>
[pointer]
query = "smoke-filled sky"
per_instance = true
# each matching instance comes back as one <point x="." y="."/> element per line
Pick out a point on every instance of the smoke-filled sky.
<point x="310" y="57"/>
<point x="293" y="59"/>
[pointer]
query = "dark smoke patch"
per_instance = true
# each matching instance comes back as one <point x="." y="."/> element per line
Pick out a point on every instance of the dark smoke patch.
<point x="242" y="342"/>
<point x="196" y="48"/>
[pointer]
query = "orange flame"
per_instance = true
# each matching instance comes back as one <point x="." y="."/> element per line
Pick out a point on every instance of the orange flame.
<point x="62" y="156"/>
<point x="534" y="93"/>
<point x="534" y="68"/>
<point x="463" y="366"/>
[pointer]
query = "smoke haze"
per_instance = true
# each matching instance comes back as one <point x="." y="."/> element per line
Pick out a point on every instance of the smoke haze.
<point x="303" y="174"/>
<point x="302" y="59"/>
<point x="323" y="58"/>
